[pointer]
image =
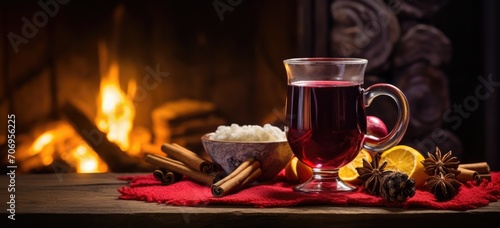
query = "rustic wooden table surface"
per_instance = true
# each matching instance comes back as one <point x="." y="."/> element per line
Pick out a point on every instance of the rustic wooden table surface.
<point x="90" y="200"/>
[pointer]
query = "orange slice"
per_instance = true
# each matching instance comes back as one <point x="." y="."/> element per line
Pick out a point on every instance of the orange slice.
<point x="348" y="173"/>
<point x="291" y="170"/>
<point x="405" y="159"/>
<point x="297" y="171"/>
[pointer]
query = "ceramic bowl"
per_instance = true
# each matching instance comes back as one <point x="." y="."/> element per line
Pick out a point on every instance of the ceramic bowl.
<point x="273" y="155"/>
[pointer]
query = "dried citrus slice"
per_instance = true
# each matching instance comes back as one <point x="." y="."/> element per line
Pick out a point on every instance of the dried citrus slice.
<point x="405" y="159"/>
<point x="348" y="173"/>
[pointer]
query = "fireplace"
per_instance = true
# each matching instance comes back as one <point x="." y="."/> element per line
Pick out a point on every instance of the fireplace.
<point x="137" y="73"/>
<point x="95" y="85"/>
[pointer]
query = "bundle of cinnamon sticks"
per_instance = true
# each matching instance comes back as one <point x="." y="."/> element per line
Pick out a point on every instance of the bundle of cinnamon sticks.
<point x="166" y="177"/>
<point x="474" y="172"/>
<point x="181" y="162"/>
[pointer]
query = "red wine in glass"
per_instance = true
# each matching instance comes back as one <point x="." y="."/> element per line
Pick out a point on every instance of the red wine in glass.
<point x="326" y="122"/>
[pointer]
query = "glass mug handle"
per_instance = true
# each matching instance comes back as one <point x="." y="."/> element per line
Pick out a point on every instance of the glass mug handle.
<point x="376" y="144"/>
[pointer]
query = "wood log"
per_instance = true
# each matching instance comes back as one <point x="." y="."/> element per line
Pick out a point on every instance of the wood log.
<point x="366" y="29"/>
<point x="423" y="43"/>
<point x="198" y="125"/>
<point x="173" y="114"/>
<point x="184" y="122"/>
<point x="426" y="89"/>
<point x="116" y="159"/>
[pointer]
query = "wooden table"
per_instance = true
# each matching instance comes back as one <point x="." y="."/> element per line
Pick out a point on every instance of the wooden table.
<point x="90" y="200"/>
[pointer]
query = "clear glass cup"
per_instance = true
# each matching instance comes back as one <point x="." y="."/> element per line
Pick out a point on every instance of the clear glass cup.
<point x="326" y="119"/>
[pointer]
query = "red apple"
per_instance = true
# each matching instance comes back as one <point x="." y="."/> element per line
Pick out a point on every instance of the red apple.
<point x="375" y="126"/>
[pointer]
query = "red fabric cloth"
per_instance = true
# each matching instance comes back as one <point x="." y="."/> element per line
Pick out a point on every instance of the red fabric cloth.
<point x="279" y="193"/>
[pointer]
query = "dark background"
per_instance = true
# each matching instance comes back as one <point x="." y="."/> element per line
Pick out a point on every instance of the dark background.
<point x="235" y="62"/>
<point x="473" y="28"/>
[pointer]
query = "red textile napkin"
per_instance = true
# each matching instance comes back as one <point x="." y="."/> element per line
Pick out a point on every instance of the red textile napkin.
<point x="278" y="193"/>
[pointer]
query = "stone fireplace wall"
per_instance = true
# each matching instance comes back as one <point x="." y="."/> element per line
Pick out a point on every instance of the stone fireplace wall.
<point x="225" y="53"/>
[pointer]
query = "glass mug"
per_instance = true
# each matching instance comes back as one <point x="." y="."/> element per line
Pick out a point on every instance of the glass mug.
<point x="326" y="119"/>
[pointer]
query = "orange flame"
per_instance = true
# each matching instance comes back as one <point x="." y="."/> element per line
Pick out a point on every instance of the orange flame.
<point x="115" y="111"/>
<point x="87" y="163"/>
<point x="115" y="115"/>
<point x="74" y="151"/>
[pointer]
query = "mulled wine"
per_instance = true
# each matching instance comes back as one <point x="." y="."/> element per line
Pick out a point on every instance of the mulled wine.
<point x="326" y="122"/>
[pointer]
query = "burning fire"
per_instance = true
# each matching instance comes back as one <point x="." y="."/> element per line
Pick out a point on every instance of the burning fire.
<point x="115" y="115"/>
<point x="60" y="140"/>
<point x="116" y="110"/>
<point x="87" y="162"/>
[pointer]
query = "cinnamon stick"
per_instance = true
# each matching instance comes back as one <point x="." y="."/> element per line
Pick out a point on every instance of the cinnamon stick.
<point x="171" y="177"/>
<point x="158" y="174"/>
<point x="246" y="173"/>
<point x="468" y="175"/>
<point x="480" y="167"/>
<point x="219" y="176"/>
<point x="167" y="177"/>
<point x="486" y="176"/>
<point x="188" y="157"/>
<point x="179" y="167"/>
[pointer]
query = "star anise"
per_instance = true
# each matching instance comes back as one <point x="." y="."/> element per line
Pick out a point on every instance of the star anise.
<point x="435" y="164"/>
<point x="372" y="174"/>
<point x="443" y="186"/>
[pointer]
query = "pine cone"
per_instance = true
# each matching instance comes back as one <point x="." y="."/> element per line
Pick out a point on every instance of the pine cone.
<point x="437" y="164"/>
<point x="397" y="187"/>
<point x="444" y="187"/>
<point x="372" y="175"/>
